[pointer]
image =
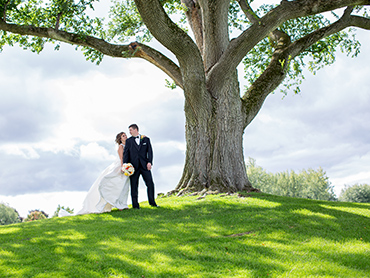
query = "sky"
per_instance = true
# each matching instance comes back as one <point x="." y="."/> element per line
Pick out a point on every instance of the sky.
<point x="59" y="116"/>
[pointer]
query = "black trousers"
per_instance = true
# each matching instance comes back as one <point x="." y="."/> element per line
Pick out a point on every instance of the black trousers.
<point x="148" y="179"/>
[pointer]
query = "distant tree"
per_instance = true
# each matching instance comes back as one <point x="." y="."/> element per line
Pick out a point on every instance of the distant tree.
<point x="8" y="215"/>
<point x="316" y="185"/>
<point x="359" y="193"/>
<point x="287" y="184"/>
<point x="35" y="215"/>
<point x="311" y="184"/>
<point x="62" y="207"/>
<point x="259" y="178"/>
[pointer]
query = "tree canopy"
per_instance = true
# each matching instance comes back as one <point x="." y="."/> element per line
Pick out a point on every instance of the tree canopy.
<point x="315" y="35"/>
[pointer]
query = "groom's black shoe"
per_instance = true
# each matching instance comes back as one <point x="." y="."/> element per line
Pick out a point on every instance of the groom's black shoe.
<point x="156" y="206"/>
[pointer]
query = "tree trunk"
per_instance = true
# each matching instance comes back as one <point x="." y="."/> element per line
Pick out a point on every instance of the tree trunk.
<point x="214" y="144"/>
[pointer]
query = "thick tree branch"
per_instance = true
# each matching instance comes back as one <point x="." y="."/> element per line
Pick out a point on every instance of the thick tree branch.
<point x="247" y="10"/>
<point x="240" y="46"/>
<point x="360" y="22"/>
<point x="195" y="18"/>
<point x="120" y="51"/>
<point x="185" y="50"/>
<point x="215" y="30"/>
<point x="276" y="71"/>
<point x="305" y="42"/>
<point x="167" y="32"/>
<point x="280" y="38"/>
<point x="159" y="60"/>
<point x="266" y="83"/>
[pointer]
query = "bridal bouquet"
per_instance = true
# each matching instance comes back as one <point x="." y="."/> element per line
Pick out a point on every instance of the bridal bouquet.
<point x="127" y="169"/>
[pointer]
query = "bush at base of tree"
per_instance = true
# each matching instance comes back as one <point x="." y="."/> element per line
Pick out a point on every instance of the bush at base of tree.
<point x="36" y="215"/>
<point x="310" y="184"/>
<point x="8" y="215"/>
<point x="359" y="193"/>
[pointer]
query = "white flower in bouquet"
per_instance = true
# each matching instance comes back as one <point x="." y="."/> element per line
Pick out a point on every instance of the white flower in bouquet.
<point x="127" y="169"/>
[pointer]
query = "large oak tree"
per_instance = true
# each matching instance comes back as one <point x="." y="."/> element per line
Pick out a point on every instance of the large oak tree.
<point x="274" y="42"/>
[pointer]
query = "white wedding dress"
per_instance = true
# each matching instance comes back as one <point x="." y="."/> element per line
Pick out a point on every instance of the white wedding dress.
<point x="109" y="190"/>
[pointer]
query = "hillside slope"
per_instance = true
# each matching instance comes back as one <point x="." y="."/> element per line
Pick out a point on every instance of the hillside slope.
<point x="258" y="235"/>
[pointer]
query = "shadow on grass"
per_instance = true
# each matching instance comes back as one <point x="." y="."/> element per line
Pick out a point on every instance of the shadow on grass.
<point x="255" y="236"/>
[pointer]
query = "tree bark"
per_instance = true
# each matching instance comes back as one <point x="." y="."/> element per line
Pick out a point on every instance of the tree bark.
<point x="214" y="145"/>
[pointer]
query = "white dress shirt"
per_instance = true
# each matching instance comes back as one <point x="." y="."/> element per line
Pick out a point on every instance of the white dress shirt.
<point x="137" y="140"/>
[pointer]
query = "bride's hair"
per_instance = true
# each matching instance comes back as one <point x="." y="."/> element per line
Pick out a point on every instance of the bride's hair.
<point x="118" y="138"/>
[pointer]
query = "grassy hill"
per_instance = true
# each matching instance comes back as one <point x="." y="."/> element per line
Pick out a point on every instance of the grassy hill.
<point x="258" y="235"/>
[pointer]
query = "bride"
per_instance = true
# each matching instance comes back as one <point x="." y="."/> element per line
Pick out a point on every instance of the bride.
<point x="110" y="189"/>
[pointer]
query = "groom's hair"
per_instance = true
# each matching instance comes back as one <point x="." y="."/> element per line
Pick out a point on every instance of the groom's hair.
<point x="134" y="126"/>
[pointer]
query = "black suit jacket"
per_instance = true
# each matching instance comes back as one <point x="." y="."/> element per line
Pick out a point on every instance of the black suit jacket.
<point x="138" y="154"/>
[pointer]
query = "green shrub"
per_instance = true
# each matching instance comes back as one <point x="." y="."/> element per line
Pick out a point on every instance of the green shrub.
<point x="36" y="215"/>
<point x="359" y="193"/>
<point x="8" y="215"/>
<point x="310" y="184"/>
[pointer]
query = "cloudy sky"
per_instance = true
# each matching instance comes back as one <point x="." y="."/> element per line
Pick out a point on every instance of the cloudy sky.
<point x="59" y="116"/>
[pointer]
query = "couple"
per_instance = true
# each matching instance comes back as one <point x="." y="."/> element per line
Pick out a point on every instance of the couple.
<point x="112" y="186"/>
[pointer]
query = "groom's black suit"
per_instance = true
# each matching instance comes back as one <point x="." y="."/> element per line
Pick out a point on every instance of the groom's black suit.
<point x="139" y="156"/>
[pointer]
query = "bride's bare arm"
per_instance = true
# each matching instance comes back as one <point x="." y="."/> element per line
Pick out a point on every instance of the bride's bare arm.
<point x="120" y="153"/>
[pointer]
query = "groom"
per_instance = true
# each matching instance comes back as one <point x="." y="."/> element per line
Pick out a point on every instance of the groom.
<point x="138" y="151"/>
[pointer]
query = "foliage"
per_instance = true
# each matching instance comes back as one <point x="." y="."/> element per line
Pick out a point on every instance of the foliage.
<point x="359" y="193"/>
<point x="62" y="207"/>
<point x="8" y="215"/>
<point x="255" y="235"/>
<point x="319" y="55"/>
<point x="8" y="5"/>
<point x="35" y="215"/>
<point x="68" y="15"/>
<point x="125" y="24"/>
<point x="311" y="184"/>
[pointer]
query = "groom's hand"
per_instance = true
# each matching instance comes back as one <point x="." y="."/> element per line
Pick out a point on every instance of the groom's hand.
<point x="149" y="166"/>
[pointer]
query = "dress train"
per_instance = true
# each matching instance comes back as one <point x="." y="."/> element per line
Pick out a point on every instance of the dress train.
<point x="110" y="190"/>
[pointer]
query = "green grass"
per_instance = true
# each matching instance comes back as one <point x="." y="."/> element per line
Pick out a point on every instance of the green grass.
<point x="257" y="236"/>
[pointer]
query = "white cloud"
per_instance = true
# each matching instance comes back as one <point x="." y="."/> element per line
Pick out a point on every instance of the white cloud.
<point x="168" y="177"/>
<point x="93" y="151"/>
<point x="23" y="151"/>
